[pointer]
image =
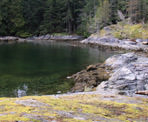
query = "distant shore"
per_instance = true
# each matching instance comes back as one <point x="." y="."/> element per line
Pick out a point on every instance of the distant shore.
<point x="13" y="39"/>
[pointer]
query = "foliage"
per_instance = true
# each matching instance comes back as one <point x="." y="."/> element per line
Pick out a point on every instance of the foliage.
<point x="36" y="17"/>
<point x="131" y="31"/>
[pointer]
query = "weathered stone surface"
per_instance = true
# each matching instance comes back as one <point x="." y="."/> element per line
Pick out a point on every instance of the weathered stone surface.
<point x="118" y="60"/>
<point x="109" y="41"/>
<point x="57" y="37"/>
<point x="8" y="38"/>
<point x="130" y="74"/>
<point x="39" y="39"/>
<point x="12" y="39"/>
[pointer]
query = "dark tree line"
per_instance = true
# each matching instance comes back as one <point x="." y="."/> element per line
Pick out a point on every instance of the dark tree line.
<point x="27" y="17"/>
<point x="35" y="17"/>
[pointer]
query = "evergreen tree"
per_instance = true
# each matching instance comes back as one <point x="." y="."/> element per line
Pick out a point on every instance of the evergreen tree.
<point x="26" y="17"/>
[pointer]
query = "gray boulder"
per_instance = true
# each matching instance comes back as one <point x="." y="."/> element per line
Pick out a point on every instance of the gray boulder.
<point x="130" y="74"/>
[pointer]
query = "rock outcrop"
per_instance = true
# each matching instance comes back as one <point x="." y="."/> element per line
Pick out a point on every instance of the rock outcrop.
<point x="109" y="41"/>
<point x="124" y="74"/>
<point x="130" y="74"/>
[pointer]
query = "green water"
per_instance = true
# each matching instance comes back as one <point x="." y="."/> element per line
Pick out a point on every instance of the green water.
<point x="41" y="69"/>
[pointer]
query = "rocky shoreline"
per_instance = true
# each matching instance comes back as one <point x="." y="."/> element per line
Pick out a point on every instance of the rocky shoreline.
<point x="124" y="74"/>
<point x="115" y="43"/>
<point x="57" y="37"/>
<point x="12" y="39"/>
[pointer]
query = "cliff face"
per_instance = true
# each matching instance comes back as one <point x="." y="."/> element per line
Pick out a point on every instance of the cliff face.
<point x="80" y="107"/>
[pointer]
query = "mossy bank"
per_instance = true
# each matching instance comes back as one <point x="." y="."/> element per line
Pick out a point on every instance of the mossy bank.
<point x="81" y="107"/>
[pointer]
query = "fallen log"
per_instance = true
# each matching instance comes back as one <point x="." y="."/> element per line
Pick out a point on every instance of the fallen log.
<point x="142" y="92"/>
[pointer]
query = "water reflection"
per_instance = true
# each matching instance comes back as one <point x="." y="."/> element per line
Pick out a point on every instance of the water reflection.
<point x="21" y="91"/>
<point x="34" y="69"/>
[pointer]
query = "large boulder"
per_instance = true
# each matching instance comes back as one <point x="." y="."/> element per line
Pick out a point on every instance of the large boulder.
<point x="119" y="60"/>
<point x="130" y="74"/>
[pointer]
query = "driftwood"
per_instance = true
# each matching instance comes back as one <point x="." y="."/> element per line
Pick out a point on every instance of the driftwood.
<point x="121" y="16"/>
<point x="142" y="92"/>
<point x="145" y="43"/>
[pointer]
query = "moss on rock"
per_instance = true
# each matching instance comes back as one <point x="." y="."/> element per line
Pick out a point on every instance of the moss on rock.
<point x="74" y="108"/>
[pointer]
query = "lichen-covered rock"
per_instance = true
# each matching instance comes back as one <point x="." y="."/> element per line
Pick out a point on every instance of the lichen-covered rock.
<point x="78" y="107"/>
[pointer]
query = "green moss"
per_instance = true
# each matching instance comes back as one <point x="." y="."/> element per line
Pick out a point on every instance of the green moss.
<point x="103" y="32"/>
<point x="23" y="34"/>
<point x="74" y="120"/>
<point x="60" y="34"/>
<point x="130" y="31"/>
<point x="13" y="118"/>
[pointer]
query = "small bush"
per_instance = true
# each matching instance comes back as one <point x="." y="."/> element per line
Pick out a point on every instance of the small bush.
<point x="102" y="32"/>
<point x="85" y="34"/>
<point x="24" y="34"/>
<point x="131" y="31"/>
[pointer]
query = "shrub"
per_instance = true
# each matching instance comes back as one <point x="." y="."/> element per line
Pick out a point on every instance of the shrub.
<point x="24" y="34"/>
<point x="131" y="31"/>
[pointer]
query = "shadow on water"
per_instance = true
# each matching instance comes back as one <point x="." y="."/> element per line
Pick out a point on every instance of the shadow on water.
<point x="41" y="69"/>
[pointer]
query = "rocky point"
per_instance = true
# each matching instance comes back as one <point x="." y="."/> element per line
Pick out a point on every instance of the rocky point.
<point x="125" y="74"/>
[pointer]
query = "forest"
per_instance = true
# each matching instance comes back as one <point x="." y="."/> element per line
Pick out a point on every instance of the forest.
<point x="25" y="18"/>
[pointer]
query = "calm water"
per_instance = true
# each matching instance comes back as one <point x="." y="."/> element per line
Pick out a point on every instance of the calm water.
<point x="35" y="69"/>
